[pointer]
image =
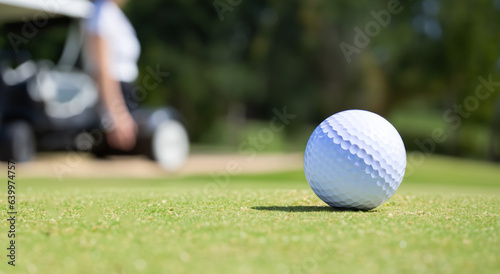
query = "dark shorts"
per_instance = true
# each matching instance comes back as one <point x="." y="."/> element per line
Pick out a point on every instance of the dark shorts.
<point x="128" y="95"/>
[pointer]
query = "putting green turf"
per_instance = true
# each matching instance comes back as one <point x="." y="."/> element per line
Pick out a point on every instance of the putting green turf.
<point x="445" y="218"/>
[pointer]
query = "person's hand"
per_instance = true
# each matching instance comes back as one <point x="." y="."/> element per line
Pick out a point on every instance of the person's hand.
<point x="123" y="134"/>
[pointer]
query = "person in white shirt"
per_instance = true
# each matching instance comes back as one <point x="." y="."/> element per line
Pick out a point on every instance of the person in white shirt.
<point x="112" y="53"/>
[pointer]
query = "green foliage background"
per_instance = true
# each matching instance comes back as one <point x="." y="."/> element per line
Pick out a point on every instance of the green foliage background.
<point x="267" y="54"/>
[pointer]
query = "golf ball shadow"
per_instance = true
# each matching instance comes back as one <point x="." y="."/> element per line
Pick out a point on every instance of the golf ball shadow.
<point x="305" y="208"/>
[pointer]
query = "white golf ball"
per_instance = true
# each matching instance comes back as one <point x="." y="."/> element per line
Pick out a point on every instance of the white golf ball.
<point x="355" y="159"/>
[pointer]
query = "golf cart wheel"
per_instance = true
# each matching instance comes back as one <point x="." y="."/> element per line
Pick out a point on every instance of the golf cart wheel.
<point x="17" y="142"/>
<point x="170" y="145"/>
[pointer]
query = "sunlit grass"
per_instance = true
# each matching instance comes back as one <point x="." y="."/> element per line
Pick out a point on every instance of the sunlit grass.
<point x="444" y="219"/>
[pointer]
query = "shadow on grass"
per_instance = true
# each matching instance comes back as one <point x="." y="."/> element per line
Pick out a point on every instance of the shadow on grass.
<point x="307" y="209"/>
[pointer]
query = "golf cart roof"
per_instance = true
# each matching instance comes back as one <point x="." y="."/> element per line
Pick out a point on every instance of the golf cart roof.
<point x="17" y="10"/>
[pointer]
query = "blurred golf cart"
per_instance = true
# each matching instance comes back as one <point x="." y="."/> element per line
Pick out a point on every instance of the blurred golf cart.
<point x="55" y="107"/>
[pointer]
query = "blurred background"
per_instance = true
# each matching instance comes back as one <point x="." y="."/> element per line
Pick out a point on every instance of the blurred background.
<point x="232" y="62"/>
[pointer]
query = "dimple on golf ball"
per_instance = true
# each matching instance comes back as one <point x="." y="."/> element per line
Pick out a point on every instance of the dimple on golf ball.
<point x="355" y="159"/>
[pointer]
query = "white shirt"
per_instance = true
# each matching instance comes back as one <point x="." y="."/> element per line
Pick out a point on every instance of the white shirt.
<point x="109" y="22"/>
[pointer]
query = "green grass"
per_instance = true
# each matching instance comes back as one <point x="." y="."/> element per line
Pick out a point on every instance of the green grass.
<point x="445" y="218"/>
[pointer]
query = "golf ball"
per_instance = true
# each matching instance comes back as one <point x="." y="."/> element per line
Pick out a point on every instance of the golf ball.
<point x="355" y="159"/>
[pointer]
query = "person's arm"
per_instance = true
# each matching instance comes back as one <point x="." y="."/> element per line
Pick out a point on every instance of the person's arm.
<point x="122" y="130"/>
